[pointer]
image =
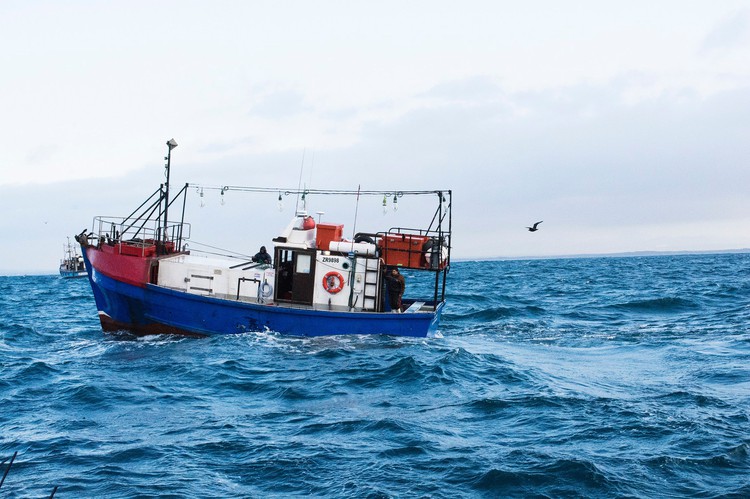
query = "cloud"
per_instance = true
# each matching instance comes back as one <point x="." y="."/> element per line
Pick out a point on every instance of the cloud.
<point x="606" y="173"/>
<point x="581" y="154"/>
<point x="474" y="89"/>
<point x="279" y="104"/>
<point x="227" y="146"/>
<point x="42" y="154"/>
<point x="731" y="32"/>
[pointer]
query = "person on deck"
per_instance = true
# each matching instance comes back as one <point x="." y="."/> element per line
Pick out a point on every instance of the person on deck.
<point x="396" y="287"/>
<point x="262" y="256"/>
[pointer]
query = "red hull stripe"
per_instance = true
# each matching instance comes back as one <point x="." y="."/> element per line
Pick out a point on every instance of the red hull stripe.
<point x="130" y="269"/>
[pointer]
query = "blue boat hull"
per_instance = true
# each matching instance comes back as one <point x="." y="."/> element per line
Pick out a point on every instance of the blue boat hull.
<point x="157" y="310"/>
<point x="71" y="273"/>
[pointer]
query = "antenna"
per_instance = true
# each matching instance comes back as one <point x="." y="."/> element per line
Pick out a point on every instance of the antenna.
<point x="171" y="144"/>
<point x="356" y="209"/>
<point x="312" y="165"/>
<point x="299" y="183"/>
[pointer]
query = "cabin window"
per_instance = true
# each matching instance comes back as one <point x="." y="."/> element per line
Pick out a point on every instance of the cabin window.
<point x="303" y="264"/>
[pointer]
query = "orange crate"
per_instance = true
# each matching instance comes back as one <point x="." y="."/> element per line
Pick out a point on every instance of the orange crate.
<point x="327" y="233"/>
<point x="403" y="250"/>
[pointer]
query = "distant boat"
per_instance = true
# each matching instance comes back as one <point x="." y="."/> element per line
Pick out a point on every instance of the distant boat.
<point x="72" y="264"/>
<point x="319" y="283"/>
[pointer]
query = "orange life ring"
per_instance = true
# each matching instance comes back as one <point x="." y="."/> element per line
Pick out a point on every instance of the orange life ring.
<point x="328" y="282"/>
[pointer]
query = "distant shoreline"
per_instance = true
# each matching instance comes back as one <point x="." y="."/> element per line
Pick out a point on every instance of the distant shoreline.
<point x="623" y="254"/>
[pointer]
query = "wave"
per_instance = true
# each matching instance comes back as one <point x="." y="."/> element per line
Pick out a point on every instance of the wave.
<point x="527" y="401"/>
<point x="553" y="479"/>
<point x="404" y="371"/>
<point x="658" y="305"/>
<point x="688" y="399"/>
<point x="732" y="459"/>
<point x="493" y="314"/>
<point x="407" y="451"/>
<point x="335" y="427"/>
<point x="460" y="366"/>
<point x="38" y="370"/>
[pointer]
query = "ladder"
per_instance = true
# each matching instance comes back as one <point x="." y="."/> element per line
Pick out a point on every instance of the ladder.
<point x="371" y="288"/>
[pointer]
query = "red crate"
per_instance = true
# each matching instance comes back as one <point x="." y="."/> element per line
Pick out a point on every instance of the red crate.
<point x="137" y="249"/>
<point x="327" y="233"/>
<point x="403" y="250"/>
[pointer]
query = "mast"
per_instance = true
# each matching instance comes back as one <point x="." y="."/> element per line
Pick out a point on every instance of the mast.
<point x="171" y="144"/>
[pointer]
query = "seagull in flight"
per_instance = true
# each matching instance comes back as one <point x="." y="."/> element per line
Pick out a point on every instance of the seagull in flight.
<point x="533" y="228"/>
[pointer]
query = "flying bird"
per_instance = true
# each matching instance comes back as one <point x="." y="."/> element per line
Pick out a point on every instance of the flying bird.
<point x="533" y="228"/>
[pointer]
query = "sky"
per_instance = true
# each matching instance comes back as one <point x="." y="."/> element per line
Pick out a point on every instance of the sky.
<point x="622" y="125"/>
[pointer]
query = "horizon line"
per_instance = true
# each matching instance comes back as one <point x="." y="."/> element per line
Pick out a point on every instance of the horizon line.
<point x="619" y="254"/>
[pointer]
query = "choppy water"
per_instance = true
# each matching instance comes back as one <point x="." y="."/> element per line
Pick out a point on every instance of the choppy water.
<point x="612" y="377"/>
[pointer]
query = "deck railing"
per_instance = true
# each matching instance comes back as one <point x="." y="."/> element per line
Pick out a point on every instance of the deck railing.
<point x="127" y="236"/>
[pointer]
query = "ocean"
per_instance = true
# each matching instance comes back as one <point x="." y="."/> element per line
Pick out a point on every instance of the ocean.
<point x="592" y="377"/>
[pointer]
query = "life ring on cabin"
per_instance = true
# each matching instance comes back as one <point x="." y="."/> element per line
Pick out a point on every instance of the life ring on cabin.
<point x="266" y="290"/>
<point x="333" y="282"/>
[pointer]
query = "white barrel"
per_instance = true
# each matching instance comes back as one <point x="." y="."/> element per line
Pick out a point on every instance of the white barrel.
<point x="367" y="249"/>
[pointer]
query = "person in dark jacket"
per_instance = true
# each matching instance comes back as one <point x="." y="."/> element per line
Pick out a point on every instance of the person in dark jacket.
<point x="262" y="256"/>
<point x="396" y="287"/>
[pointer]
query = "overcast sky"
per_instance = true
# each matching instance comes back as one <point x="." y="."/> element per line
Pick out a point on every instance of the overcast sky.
<point x="625" y="126"/>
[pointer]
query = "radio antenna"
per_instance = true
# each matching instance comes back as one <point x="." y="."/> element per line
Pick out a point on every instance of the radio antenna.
<point x="312" y="166"/>
<point x="356" y="209"/>
<point x="299" y="184"/>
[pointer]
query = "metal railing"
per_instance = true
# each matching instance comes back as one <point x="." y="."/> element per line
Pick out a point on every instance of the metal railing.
<point x="119" y="231"/>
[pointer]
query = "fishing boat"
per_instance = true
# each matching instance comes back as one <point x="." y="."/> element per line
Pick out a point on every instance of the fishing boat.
<point x="72" y="264"/>
<point x="146" y="281"/>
